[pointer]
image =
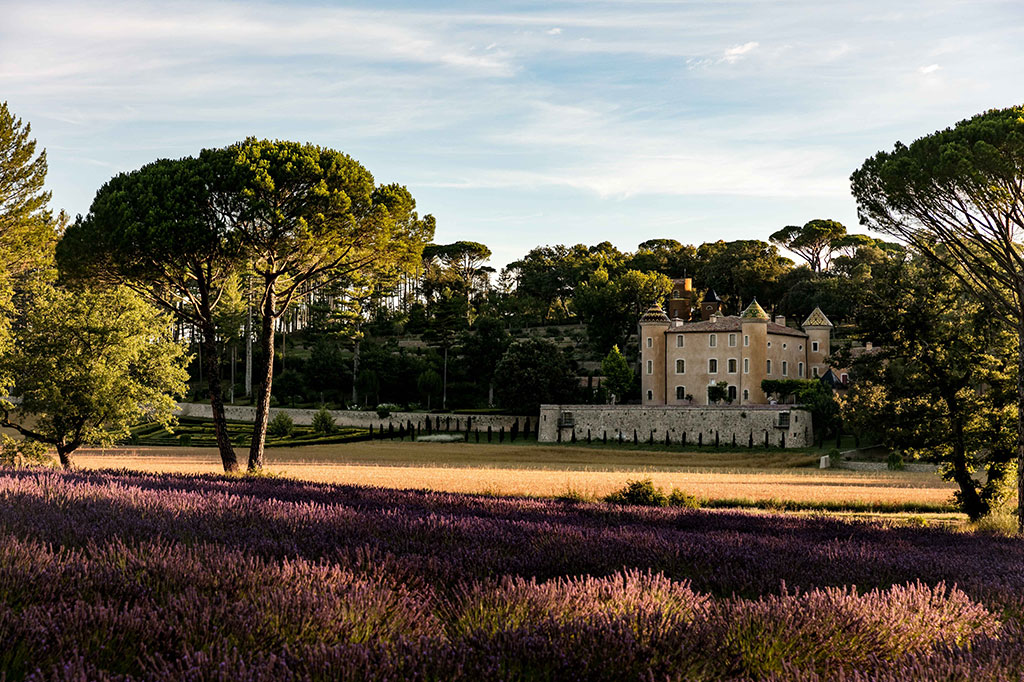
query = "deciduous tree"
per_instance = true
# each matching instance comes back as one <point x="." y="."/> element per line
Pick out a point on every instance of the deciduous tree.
<point x="86" y="364"/>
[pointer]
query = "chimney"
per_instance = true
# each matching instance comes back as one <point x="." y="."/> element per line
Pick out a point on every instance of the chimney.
<point x="867" y="345"/>
<point x="712" y="318"/>
<point x="780" y="320"/>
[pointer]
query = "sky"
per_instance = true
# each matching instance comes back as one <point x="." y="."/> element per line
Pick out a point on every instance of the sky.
<point x="519" y="124"/>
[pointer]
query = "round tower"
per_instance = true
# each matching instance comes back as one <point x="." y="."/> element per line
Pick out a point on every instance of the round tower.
<point x="754" y="329"/>
<point x="653" y="325"/>
<point x="819" y="342"/>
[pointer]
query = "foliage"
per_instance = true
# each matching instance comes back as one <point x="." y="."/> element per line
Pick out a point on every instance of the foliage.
<point x="619" y="378"/>
<point x="429" y="384"/>
<point x="784" y="388"/>
<point x="533" y="372"/>
<point x="281" y="425"/>
<point x="718" y="391"/>
<point x="25" y="452"/>
<point x="610" y="307"/>
<point x="815" y="241"/>
<point x="942" y="385"/>
<point x="352" y="579"/>
<point x="957" y="195"/>
<point x="680" y="498"/>
<point x="323" y="422"/>
<point x="640" y="493"/>
<point x="384" y="410"/>
<point x="87" y="364"/>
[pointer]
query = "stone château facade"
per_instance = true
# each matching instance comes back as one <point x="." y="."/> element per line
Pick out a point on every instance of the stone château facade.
<point x="681" y="358"/>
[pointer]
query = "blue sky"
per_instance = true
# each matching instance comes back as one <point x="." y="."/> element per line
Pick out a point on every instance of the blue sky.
<point x="521" y="123"/>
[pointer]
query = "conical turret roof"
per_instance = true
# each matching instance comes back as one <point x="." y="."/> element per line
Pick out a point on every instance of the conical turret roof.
<point x="711" y="297"/>
<point x="654" y="314"/>
<point x="817" y="319"/>
<point x="754" y="311"/>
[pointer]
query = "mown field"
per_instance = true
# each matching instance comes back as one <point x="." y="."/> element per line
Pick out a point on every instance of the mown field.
<point x="133" y="576"/>
<point x="742" y="478"/>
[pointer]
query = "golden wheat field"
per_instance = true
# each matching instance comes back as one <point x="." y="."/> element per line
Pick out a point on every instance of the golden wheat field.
<point x="553" y="471"/>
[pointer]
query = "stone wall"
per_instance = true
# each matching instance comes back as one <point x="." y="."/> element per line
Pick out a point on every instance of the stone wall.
<point x="691" y="425"/>
<point x="360" y="418"/>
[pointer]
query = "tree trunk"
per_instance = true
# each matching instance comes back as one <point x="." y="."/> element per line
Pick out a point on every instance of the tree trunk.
<point x="259" y="427"/>
<point x="355" y="372"/>
<point x="444" y="395"/>
<point x="971" y="501"/>
<point x="64" y="454"/>
<point x="248" y="340"/>
<point x="211" y="357"/>
<point x="1020" y="427"/>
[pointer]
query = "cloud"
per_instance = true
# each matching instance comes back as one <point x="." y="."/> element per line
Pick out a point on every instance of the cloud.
<point x="553" y="31"/>
<point x="736" y="53"/>
<point x="931" y="68"/>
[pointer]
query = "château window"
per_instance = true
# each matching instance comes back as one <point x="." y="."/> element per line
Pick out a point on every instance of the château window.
<point x="650" y="395"/>
<point x="732" y="365"/>
<point x="845" y="378"/>
<point x="650" y="367"/>
<point x="800" y="370"/>
<point x="679" y="341"/>
<point x="746" y="365"/>
<point x="814" y="370"/>
<point x="746" y="395"/>
<point x="732" y="340"/>
<point x="712" y="340"/>
<point x="784" y="346"/>
<point x="785" y="368"/>
<point x="746" y="339"/>
<point x="732" y="393"/>
<point x="769" y="366"/>
<point x="712" y="366"/>
<point x="680" y="393"/>
<point x="814" y="347"/>
<point x="680" y="366"/>
<point x="650" y="342"/>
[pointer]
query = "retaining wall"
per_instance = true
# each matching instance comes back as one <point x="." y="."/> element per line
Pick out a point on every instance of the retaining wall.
<point x="361" y="418"/>
<point x="691" y="425"/>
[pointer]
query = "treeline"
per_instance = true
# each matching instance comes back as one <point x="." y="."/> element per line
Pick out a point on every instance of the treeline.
<point x="435" y="337"/>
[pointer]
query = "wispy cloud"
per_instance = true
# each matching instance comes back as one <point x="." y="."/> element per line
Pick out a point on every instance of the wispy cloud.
<point x="736" y="53"/>
<point x="661" y="109"/>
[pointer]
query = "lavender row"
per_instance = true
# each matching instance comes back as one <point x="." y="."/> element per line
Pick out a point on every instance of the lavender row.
<point x="129" y="576"/>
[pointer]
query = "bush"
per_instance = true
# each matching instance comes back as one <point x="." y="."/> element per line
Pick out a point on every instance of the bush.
<point x="384" y="410"/>
<point x="185" y="440"/>
<point x="24" y="453"/>
<point x="835" y="458"/>
<point x="639" y="493"/>
<point x="895" y="461"/>
<point x="323" y="422"/>
<point x="281" y="425"/>
<point x="680" y="498"/>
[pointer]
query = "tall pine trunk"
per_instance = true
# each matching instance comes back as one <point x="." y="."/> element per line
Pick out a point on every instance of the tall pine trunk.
<point x="211" y="358"/>
<point x="266" y="376"/>
<point x="1020" y="425"/>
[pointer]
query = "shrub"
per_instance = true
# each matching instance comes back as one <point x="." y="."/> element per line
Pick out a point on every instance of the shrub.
<point x="639" y="493"/>
<point x="895" y="461"/>
<point x="835" y="458"/>
<point x="680" y="498"/>
<point x="281" y="425"/>
<point x="24" y="453"/>
<point x="185" y="440"/>
<point x="384" y="410"/>
<point x="323" y="422"/>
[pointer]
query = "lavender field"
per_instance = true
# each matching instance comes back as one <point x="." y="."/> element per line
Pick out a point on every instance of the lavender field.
<point x="114" y="575"/>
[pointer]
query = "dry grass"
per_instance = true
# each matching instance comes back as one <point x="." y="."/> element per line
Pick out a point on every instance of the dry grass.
<point x="553" y="471"/>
